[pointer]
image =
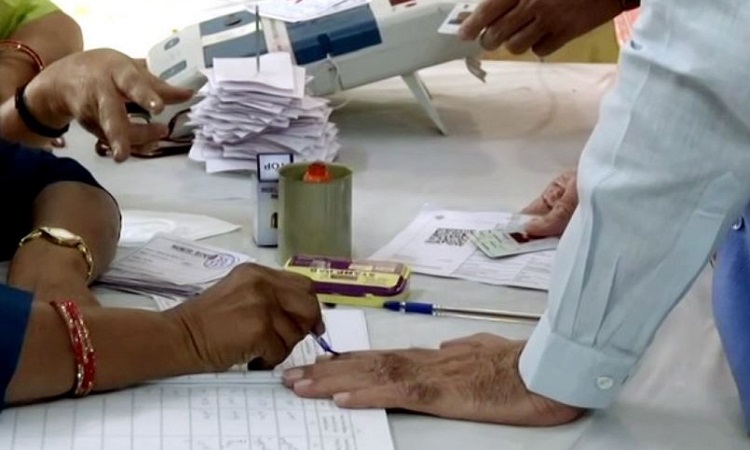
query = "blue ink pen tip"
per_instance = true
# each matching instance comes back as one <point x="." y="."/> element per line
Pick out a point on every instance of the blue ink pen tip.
<point x="326" y="346"/>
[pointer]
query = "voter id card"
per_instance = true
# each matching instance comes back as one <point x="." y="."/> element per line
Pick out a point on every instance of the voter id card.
<point x="499" y="243"/>
<point x="453" y="22"/>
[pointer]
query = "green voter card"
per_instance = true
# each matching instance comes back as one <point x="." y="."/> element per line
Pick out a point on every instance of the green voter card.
<point x="500" y="243"/>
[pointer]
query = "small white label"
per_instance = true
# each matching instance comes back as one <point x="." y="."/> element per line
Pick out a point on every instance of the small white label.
<point x="269" y="165"/>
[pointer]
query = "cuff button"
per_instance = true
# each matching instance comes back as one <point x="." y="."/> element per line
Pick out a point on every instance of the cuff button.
<point x="604" y="383"/>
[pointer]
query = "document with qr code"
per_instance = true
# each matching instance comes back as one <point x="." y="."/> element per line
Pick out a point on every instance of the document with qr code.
<point x="439" y="243"/>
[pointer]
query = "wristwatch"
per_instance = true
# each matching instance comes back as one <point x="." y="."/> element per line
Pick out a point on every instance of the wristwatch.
<point x="63" y="238"/>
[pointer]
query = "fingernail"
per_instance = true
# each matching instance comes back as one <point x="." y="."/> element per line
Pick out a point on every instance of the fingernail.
<point x="301" y="384"/>
<point x="341" y="397"/>
<point x="152" y="104"/>
<point x="293" y="374"/>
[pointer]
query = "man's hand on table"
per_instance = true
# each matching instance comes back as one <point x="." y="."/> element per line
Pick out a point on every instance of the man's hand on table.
<point x="474" y="378"/>
<point x="554" y="207"/>
<point x="541" y="25"/>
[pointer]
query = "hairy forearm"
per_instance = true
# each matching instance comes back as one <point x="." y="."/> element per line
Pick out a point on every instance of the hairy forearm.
<point x="81" y="209"/>
<point x="131" y="346"/>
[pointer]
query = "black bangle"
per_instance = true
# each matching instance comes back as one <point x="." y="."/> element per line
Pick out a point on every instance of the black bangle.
<point x="31" y="122"/>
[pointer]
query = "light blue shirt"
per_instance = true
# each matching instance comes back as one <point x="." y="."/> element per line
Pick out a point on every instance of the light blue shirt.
<point x="664" y="174"/>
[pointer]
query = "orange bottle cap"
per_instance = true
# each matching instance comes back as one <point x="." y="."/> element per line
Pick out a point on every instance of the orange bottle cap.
<point x="317" y="173"/>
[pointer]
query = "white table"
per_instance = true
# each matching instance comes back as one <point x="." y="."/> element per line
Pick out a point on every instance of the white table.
<point x="509" y="137"/>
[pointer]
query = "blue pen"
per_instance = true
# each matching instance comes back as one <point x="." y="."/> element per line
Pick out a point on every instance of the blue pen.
<point x="325" y="345"/>
<point x="474" y="313"/>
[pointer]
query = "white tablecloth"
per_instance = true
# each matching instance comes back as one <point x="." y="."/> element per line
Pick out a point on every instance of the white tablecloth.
<point x="508" y="138"/>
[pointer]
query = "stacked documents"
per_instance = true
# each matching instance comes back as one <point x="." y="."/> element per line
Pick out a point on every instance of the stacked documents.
<point x="171" y="267"/>
<point x="246" y="111"/>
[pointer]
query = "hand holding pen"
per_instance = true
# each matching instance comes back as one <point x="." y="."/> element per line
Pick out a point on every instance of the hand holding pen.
<point x="259" y="364"/>
<point x="255" y="313"/>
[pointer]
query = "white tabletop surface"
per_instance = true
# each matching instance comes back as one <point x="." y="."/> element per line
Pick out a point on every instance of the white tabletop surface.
<point x="508" y="138"/>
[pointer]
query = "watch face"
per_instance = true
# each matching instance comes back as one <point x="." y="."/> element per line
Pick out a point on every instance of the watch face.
<point x="61" y="234"/>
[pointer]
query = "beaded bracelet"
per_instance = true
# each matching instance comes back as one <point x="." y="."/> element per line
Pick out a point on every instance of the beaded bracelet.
<point x="25" y="49"/>
<point x="83" y="350"/>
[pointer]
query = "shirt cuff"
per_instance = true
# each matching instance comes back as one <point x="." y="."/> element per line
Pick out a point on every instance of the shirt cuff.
<point x="571" y="373"/>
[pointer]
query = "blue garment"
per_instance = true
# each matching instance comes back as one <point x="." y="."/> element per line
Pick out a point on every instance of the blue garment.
<point x="15" y="307"/>
<point x="24" y="173"/>
<point x="731" y="301"/>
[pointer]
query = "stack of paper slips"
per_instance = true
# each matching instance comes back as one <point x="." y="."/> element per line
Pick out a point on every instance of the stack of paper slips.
<point x="171" y="267"/>
<point x="245" y="111"/>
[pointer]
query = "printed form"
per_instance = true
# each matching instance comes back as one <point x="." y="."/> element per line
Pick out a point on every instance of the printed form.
<point x="438" y="242"/>
<point x="238" y="410"/>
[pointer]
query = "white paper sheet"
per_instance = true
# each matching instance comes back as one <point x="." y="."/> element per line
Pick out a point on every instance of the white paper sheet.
<point x="207" y="415"/>
<point x="171" y="267"/>
<point x="438" y="243"/>
<point x="178" y="261"/>
<point x="277" y="71"/>
<point x="140" y="226"/>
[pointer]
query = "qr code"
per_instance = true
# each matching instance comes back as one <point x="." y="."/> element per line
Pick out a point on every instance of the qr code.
<point x="450" y="236"/>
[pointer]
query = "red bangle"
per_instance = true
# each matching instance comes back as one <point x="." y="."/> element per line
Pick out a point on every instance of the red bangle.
<point x="83" y="350"/>
<point x="23" y="48"/>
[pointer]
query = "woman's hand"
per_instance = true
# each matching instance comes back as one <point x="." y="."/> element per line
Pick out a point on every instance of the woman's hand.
<point x="254" y="314"/>
<point x="93" y="87"/>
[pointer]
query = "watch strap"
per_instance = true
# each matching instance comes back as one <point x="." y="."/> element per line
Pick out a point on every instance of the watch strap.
<point x="80" y="246"/>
